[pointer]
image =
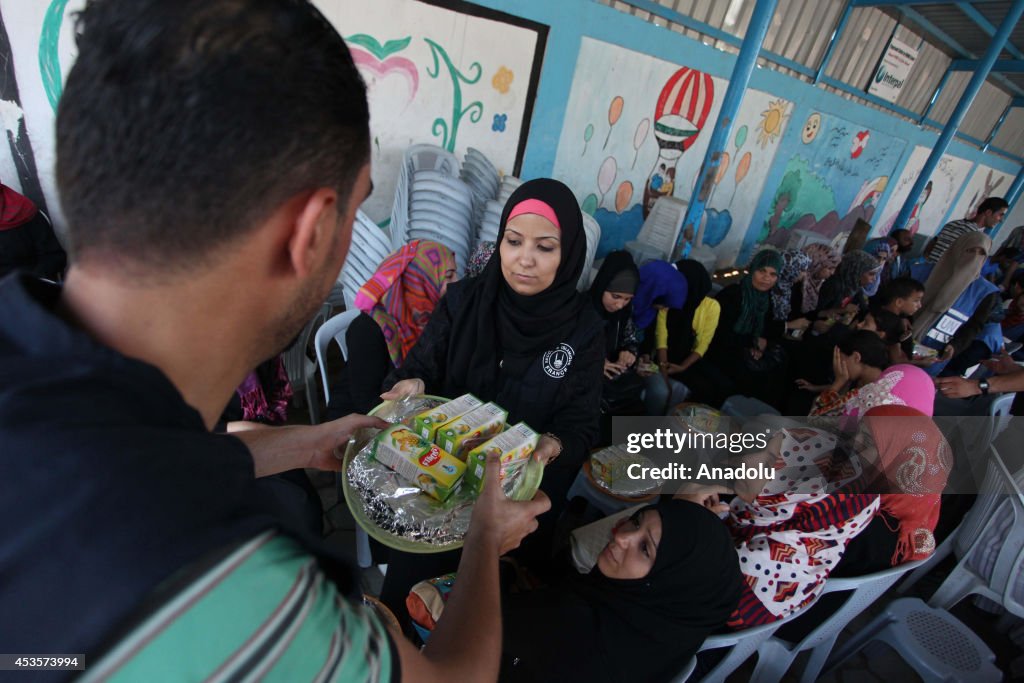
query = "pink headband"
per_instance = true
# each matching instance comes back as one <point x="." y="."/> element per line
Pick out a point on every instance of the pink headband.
<point x="534" y="206"/>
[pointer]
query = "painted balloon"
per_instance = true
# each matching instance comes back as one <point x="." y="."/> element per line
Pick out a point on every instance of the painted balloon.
<point x="641" y="133"/>
<point x="589" y="204"/>
<point x="588" y="132"/>
<point x="615" y="110"/>
<point x="742" y="167"/>
<point x="723" y="166"/>
<point x="741" y="136"/>
<point x="606" y="176"/>
<point x="623" y="196"/>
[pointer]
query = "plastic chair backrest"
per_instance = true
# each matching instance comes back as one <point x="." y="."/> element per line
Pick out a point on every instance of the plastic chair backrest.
<point x="662" y="225"/>
<point x="334" y="328"/>
<point x="592" y="230"/>
<point x="431" y="157"/>
<point x="1000" y="412"/>
<point x="297" y="364"/>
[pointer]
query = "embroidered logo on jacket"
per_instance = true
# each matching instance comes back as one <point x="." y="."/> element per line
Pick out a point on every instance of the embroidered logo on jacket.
<point x="556" y="362"/>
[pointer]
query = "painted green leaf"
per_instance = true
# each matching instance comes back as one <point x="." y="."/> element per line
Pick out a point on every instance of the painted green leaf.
<point x="373" y="46"/>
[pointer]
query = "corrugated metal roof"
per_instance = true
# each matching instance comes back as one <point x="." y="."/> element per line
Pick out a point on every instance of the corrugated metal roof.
<point x="1009" y="136"/>
<point x="800" y="30"/>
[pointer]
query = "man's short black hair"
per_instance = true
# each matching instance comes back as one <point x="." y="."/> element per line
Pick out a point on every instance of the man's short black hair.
<point x="897" y="288"/>
<point x="992" y="204"/>
<point x="184" y="123"/>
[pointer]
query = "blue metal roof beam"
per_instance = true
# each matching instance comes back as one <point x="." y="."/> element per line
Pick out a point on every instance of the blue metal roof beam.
<point x="938" y="33"/>
<point x="982" y="21"/>
<point x="1006" y="66"/>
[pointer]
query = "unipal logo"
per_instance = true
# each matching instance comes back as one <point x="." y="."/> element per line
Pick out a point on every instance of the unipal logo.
<point x="556" y="362"/>
<point x="431" y="457"/>
<point x="884" y="76"/>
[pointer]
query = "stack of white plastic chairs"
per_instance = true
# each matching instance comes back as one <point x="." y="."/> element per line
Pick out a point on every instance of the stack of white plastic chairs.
<point x="433" y="203"/>
<point x="491" y="218"/>
<point x="370" y="246"/>
<point x="509" y="184"/>
<point x="482" y="177"/>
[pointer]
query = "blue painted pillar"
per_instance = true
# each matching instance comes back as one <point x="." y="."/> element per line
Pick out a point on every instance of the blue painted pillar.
<point x="745" y="64"/>
<point x="985" y="66"/>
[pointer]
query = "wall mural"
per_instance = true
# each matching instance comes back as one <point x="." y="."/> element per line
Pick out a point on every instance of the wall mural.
<point x="835" y="177"/>
<point x="936" y="198"/>
<point x="636" y="128"/>
<point x="436" y="73"/>
<point x="986" y="182"/>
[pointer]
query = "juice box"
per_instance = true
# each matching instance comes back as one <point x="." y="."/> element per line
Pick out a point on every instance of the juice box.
<point x="436" y="472"/>
<point x="608" y="465"/>
<point x="514" y="447"/>
<point x="426" y="423"/>
<point x="462" y="434"/>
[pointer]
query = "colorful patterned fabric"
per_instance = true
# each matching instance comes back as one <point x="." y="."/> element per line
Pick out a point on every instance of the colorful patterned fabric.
<point x="479" y="258"/>
<point x="402" y="293"/>
<point x="795" y="532"/>
<point x="915" y="461"/>
<point x="265" y="393"/>
<point x="899" y="385"/>
<point x="794" y="264"/>
<point x="822" y="256"/>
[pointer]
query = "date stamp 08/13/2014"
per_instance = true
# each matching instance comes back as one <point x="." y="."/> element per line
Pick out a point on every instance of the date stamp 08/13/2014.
<point x="42" y="662"/>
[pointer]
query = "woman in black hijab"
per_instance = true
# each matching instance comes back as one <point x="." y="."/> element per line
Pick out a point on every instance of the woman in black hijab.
<point x="612" y="295"/>
<point x="521" y="335"/>
<point x="604" y="627"/>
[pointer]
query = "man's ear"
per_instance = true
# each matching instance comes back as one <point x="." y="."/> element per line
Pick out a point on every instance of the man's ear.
<point x="312" y="230"/>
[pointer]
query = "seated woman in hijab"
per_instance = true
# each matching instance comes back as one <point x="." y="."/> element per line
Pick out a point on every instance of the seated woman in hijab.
<point x="957" y="302"/>
<point x="790" y="531"/>
<point x="522" y="336"/>
<point x="824" y="260"/>
<point x="395" y="304"/>
<point x="795" y="267"/>
<point x="740" y="350"/>
<point x="842" y="296"/>
<point x="662" y="293"/>
<point x="665" y="580"/>
<point x="688" y="334"/>
<point x="612" y="295"/>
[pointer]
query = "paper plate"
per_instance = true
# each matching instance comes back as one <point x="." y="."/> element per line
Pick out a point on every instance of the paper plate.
<point x="418" y="523"/>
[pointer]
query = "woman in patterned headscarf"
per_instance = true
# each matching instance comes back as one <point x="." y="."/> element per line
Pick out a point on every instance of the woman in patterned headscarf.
<point x="824" y="260"/>
<point x="856" y="271"/>
<point x="795" y="265"/>
<point x="396" y="303"/>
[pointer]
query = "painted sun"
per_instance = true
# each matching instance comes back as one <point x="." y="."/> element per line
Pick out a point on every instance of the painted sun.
<point x="770" y="127"/>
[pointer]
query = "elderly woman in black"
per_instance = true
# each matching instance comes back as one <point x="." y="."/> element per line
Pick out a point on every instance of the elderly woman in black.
<point x="520" y="335"/>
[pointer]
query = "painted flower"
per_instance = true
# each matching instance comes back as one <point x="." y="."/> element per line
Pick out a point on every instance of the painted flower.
<point x="502" y="80"/>
<point x="499" y="123"/>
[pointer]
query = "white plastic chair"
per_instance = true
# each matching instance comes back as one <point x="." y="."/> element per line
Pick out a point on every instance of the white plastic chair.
<point x="742" y="644"/>
<point x="660" y="230"/>
<point x="301" y="370"/>
<point x="937" y="645"/>
<point x="993" y="560"/>
<point x="416" y="158"/>
<point x="775" y="655"/>
<point x="333" y="329"/>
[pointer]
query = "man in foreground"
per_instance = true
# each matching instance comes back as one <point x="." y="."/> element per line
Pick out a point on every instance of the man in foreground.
<point x="211" y="155"/>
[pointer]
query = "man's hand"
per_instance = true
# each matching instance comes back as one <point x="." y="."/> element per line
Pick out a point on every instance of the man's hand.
<point x="957" y="387"/>
<point x="407" y="387"/>
<point x="499" y="523"/>
<point x="1003" y="365"/>
<point x="626" y="359"/>
<point x="332" y="438"/>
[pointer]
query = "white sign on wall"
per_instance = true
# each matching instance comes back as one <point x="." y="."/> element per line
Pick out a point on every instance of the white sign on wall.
<point x="893" y="70"/>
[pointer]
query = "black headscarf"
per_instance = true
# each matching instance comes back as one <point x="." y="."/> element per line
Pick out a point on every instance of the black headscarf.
<point x="698" y="284"/>
<point x="603" y="629"/>
<point x="496" y="326"/>
<point x="618" y="266"/>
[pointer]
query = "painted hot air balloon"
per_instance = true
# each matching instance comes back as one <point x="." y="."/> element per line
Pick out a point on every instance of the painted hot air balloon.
<point x="679" y="116"/>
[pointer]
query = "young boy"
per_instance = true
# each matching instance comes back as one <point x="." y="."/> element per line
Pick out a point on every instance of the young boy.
<point x="902" y="296"/>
